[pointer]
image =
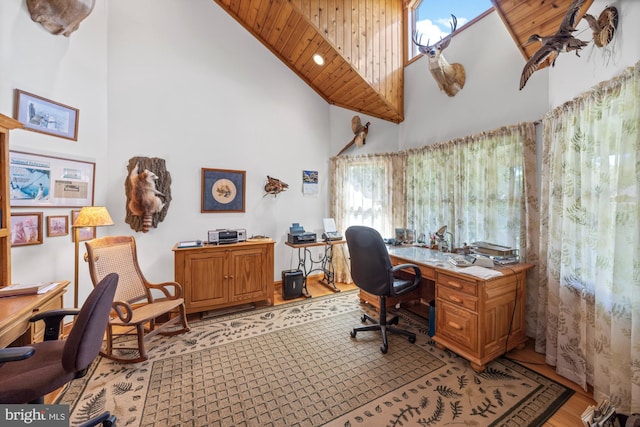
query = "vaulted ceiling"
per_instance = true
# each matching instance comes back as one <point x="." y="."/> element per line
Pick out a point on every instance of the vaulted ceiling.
<point x="363" y="44"/>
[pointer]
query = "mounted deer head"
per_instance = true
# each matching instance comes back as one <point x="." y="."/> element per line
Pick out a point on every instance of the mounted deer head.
<point x="450" y="77"/>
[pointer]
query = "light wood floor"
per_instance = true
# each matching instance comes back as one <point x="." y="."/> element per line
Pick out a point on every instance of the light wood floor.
<point x="567" y="415"/>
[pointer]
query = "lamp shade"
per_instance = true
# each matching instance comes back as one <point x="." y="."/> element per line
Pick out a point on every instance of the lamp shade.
<point x="93" y="216"/>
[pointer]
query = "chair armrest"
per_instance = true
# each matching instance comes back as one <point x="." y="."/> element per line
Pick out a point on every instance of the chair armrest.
<point x="53" y="321"/>
<point x="12" y="354"/>
<point x="416" y="270"/>
<point x="164" y="287"/>
<point x="123" y="310"/>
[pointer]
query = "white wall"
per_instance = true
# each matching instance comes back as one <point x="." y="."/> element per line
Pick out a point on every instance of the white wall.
<point x="574" y="75"/>
<point x="181" y="80"/>
<point x="67" y="70"/>
<point x="490" y="98"/>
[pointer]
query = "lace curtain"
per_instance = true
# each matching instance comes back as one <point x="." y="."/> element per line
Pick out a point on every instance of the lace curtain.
<point x="365" y="190"/>
<point x="484" y="188"/>
<point x="589" y="294"/>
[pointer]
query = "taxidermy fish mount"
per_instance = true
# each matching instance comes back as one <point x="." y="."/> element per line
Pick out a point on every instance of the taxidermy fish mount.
<point x="274" y="186"/>
<point x="148" y="189"/>
<point x="360" y="131"/>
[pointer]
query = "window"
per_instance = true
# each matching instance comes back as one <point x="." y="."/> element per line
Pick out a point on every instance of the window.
<point x="432" y="19"/>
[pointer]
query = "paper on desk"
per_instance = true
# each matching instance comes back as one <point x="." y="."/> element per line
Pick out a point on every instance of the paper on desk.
<point x="481" y="272"/>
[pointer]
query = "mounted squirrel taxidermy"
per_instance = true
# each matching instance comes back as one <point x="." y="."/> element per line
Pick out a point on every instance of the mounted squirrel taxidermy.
<point x="360" y="131"/>
<point x="450" y="77"/>
<point x="274" y="186"/>
<point x="148" y="193"/>
<point x="60" y="16"/>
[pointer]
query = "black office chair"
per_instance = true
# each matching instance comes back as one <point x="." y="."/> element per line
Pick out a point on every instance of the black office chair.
<point x="33" y="371"/>
<point x="372" y="272"/>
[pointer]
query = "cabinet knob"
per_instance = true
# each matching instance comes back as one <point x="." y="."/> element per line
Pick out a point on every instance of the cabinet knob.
<point x="455" y="299"/>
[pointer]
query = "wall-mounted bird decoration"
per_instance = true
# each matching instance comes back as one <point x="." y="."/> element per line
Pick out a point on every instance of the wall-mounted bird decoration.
<point x="360" y="131"/>
<point x="274" y="186"/>
<point x="562" y="41"/>
<point x="604" y="27"/>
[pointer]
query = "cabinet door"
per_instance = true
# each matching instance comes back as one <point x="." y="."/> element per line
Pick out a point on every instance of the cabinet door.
<point x="246" y="274"/>
<point x="206" y="279"/>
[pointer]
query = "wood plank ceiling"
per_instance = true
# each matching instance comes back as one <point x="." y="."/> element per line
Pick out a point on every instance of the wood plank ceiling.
<point x="362" y="42"/>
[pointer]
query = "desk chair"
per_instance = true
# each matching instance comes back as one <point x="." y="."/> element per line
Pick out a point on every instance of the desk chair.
<point x="372" y="272"/>
<point x="28" y="373"/>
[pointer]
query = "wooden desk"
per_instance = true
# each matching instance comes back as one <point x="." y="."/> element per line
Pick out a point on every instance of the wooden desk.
<point x="477" y="318"/>
<point x="324" y="262"/>
<point x="15" y="313"/>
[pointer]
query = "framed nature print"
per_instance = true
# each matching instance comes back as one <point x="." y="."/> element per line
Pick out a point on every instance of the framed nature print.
<point x="45" y="116"/>
<point x="46" y="181"/>
<point x="57" y="225"/>
<point x="84" y="233"/>
<point x="26" y="228"/>
<point x="223" y="190"/>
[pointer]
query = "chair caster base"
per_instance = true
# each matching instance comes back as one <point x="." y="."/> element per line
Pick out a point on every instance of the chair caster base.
<point x="384" y="349"/>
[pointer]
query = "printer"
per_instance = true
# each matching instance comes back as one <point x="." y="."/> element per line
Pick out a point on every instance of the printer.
<point x="224" y="235"/>
<point x="297" y="235"/>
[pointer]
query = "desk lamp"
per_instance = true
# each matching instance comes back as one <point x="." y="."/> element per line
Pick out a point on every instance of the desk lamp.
<point x="440" y="235"/>
<point x="89" y="216"/>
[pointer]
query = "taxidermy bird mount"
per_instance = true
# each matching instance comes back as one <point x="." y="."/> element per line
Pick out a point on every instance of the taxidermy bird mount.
<point x="360" y="131"/>
<point x="604" y="27"/>
<point x="562" y="41"/>
<point x="274" y="186"/>
<point x="450" y="77"/>
<point x="148" y="189"/>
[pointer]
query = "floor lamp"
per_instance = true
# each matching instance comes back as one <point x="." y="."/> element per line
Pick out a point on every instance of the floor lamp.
<point x="89" y="216"/>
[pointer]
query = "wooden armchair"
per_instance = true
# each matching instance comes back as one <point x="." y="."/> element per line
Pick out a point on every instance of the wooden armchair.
<point x="135" y="309"/>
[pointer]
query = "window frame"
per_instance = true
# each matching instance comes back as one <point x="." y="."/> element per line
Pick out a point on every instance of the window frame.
<point x="411" y="52"/>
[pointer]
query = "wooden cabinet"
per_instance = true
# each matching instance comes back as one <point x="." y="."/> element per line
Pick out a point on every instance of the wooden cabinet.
<point x="475" y="317"/>
<point x="6" y="124"/>
<point x="218" y="276"/>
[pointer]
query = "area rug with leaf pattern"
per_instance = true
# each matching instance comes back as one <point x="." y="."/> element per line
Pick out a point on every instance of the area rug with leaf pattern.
<point x="296" y="365"/>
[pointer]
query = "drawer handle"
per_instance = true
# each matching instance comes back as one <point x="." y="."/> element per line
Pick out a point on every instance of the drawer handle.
<point x="454" y="285"/>
<point x="455" y="326"/>
<point x="455" y="299"/>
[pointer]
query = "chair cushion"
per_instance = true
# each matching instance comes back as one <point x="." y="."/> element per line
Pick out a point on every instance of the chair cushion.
<point x="29" y="379"/>
<point x="146" y="312"/>
<point x="402" y="286"/>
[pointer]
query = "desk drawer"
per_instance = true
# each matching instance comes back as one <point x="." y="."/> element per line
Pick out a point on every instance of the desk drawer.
<point x="468" y="287"/>
<point x="457" y="325"/>
<point x="460" y="299"/>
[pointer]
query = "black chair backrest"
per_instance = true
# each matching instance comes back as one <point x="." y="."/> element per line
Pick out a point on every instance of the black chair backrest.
<point x="371" y="267"/>
<point x="85" y="339"/>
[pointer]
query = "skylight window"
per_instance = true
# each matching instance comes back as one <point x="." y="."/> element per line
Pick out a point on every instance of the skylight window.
<point x="432" y="18"/>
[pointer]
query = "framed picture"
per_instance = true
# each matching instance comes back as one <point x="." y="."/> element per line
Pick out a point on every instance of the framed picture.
<point x="57" y="225"/>
<point x="26" y="228"/>
<point x="46" y="181"/>
<point x="45" y="116"/>
<point x="223" y="190"/>
<point x="84" y="233"/>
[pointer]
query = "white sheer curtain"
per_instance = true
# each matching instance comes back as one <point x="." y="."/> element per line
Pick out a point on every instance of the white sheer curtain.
<point x="589" y="304"/>
<point x="364" y="191"/>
